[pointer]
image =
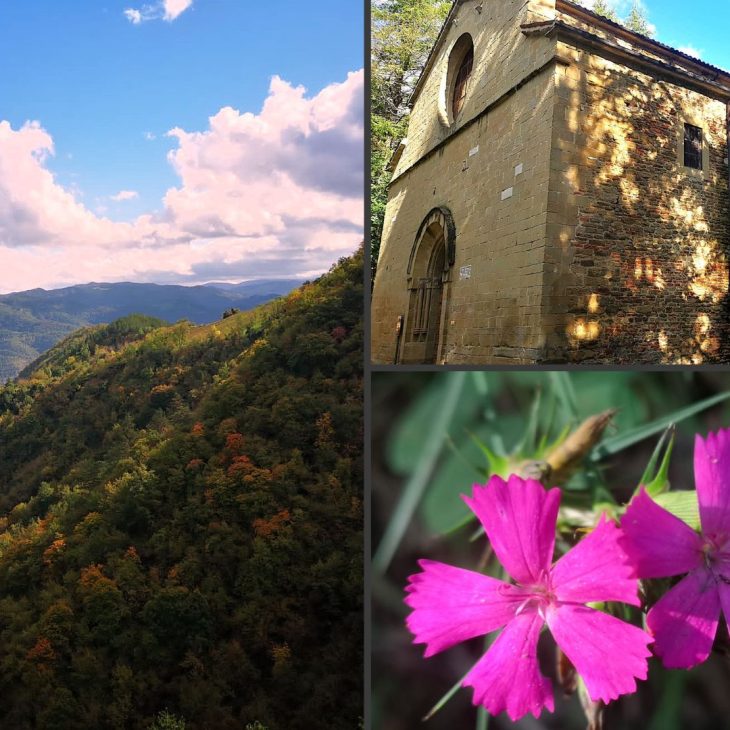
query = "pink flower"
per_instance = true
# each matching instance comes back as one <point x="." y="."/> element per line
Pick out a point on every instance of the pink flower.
<point x="451" y="605"/>
<point x="684" y="620"/>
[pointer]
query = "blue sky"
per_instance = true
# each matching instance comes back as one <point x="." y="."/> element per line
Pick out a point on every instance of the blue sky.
<point x="107" y="91"/>
<point x="701" y="25"/>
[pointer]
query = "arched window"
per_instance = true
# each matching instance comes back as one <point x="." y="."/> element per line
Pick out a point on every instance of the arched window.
<point x="458" y="75"/>
<point x="461" y="83"/>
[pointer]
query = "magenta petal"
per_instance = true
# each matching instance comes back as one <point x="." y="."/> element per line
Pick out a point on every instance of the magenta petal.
<point x="451" y="605"/>
<point x="658" y="543"/>
<point x="684" y="621"/>
<point x="712" y="479"/>
<point x="724" y="591"/>
<point x="609" y="654"/>
<point x="508" y="676"/>
<point x="519" y="518"/>
<point x="596" y="569"/>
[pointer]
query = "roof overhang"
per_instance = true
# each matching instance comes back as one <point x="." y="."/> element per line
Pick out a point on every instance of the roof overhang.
<point x="638" y="40"/>
<point x="715" y="85"/>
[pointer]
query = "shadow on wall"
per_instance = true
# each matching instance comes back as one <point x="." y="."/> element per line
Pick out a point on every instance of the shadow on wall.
<point x="649" y="267"/>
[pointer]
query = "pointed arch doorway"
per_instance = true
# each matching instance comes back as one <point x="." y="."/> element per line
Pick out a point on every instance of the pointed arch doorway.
<point x="429" y="277"/>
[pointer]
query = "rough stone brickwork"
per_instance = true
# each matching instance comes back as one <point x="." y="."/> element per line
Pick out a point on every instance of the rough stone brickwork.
<point x="579" y="234"/>
<point x="643" y="277"/>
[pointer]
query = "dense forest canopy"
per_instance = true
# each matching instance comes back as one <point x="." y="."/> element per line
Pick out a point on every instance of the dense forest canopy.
<point x="180" y="540"/>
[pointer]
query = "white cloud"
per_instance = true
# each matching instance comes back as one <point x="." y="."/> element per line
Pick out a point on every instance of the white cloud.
<point x="162" y="10"/>
<point x="133" y="16"/>
<point x="691" y="51"/>
<point x="274" y="192"/>
<point x="149" y="136"/>
<point x="124" y="195"/>
<point x="174" y="8"/>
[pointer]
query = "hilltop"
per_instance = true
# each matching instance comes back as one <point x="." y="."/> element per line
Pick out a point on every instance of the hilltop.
<point x="33" y="321"/>
<point x="181" y="525"/>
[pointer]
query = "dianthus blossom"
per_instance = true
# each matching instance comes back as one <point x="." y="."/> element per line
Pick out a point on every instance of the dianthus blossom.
<point x="451" y="605"/>
<point x="684" y="620"/>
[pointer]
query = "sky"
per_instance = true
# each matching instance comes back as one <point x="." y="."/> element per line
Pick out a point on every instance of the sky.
<point x="699" y="29"/>
<point x="178" y="141"/>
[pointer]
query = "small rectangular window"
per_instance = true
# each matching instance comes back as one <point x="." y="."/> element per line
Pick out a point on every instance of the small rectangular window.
<point x="692" y="147"/>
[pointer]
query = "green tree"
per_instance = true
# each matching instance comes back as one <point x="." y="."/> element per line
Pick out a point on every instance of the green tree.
<point x="167" y="721"/>
<point x="403" y="33"/>
<point x="602" y="7"/>
<point x="638" y="21"/>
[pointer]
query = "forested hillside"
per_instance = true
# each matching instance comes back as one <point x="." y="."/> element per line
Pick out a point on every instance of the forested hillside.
<point x="35" y="320"/>
<point x="180" y="540"/>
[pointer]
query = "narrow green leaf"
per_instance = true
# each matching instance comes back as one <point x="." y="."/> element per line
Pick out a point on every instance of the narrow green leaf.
<point x="565" y="393"/>
<point x="415" y="486"/>
<point x="467" y="520"/>
<point x="660" y="483"/>
<point x="648" y="474"/>
<point x="529" y="440"/>
<point x="668" y="713"/>
<point x="458" y="454"/>
<point x="403" y="449"/>
<point x="444" y="699"/>
<point x="481" y="382"/>
<point x="441" y="509"/>
<point x="482" y="718"/>
<point x="496" y="464"/>
<point x="683" y="505"/>
<point x="629" y="438"/>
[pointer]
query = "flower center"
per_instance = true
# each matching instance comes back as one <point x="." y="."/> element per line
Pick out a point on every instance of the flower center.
<point x="716" y="552"/>
<point x="538" y="597"/>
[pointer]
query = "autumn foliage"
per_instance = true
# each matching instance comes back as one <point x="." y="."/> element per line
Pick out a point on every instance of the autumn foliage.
<point x="180" y="543"/>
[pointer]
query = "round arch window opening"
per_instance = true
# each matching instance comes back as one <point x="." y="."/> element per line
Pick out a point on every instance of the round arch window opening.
<point x="461" y="82"/>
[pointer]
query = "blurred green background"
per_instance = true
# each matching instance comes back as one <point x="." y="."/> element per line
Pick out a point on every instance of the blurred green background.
<point x="431" y="434"/>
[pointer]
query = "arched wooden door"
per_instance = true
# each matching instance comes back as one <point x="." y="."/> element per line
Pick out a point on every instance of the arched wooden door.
<point x="429" y="269"/>
<point x="429" y="296"/>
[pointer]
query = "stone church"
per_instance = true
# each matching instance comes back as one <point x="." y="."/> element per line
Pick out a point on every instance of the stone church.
<point x="562" y="196"/>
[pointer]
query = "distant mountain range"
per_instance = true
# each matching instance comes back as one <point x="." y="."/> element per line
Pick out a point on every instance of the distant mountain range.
<point x="33" y="321"/>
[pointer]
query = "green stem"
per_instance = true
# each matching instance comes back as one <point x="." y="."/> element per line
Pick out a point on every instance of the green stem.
<point x="416" y="485"/>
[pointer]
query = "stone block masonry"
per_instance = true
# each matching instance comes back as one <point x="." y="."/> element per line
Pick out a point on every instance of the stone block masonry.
<point x="561" y="189"/>
<point x="643" y="275"/>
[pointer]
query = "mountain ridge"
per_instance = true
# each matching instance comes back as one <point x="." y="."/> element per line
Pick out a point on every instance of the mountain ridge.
<point x="32" y="321"/>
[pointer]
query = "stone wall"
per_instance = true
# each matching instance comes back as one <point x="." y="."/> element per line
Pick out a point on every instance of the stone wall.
<point x="493" y="177"/>
<point x="492" y="174"/>
<point x="637" y="269"/>
<point x="502" y="57"/>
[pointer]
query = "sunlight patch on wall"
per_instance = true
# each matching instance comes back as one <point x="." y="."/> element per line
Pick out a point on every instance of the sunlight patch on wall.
<point x="582" y="330"/>
<point x="708" y="273"/>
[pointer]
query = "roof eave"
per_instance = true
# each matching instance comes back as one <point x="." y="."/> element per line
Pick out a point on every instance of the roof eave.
<point x="589" y="41"/>
<point x="641" y="41"/>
